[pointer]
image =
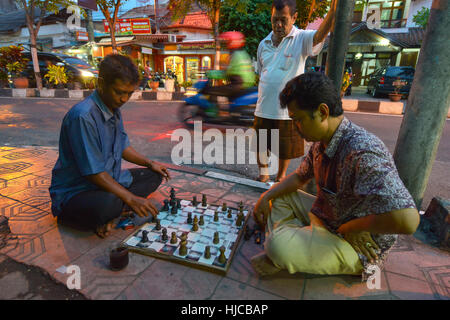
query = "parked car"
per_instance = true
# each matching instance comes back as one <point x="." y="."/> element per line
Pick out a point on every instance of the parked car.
<point x="78" y="69"/>
<point x="380" y="82"/>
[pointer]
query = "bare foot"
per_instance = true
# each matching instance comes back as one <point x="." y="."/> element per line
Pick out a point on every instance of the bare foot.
<point x="263" y="265"/>
<point x="105" y="230"/>
<point x="263" y="178"/>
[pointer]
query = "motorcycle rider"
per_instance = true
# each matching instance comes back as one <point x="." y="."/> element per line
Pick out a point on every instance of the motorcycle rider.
<point x="239" y="73"/>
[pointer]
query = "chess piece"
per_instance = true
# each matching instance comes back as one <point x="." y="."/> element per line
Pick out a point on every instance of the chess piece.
<point x="178" y="203"/>
<point x="164" y="236"/>
<point x="239" y="219"/>
<point x="224" y="207"/>
<point x="241" y="205"/>
<point x="189" y="218"/>
<point x="172" y="193"/>
<point x="204" y="203"/>
<point x="202" y="221"/>
<point x="173" y="238"/>
<point x="229" y="216"/>
<point x="158" y="225"/>
<point x="194" y="201"/>
<point x="144" y="236"/>
<point x="174" y="210"/>
<point x="222" y="258"/>
<point x="207" y="252"/>
<point x="166" y="205"/>
<point x="216" y="216"/>
<point x="216" y="237"/>
<point x="183" y="248"/>
<point x="195" y="225"/>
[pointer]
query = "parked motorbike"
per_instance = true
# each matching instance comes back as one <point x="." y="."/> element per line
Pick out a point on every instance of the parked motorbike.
<point x="239" y="111"/>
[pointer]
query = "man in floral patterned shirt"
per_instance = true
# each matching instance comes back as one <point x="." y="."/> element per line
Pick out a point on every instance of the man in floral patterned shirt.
<point x="361" y="204"/>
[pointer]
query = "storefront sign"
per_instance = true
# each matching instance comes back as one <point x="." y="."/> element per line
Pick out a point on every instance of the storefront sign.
<point x="82" y="36"/>
<point x="196" y="46"/>
<point x="147" y="50"/>
<point x="131" y="26"/>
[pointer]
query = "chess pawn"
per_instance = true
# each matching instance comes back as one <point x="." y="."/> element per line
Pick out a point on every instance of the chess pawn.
<point x="194" y="201"/>
<point x="158" y="225"/>
<point x="183" y="248"/>
<point x="144" y="236"/>
<point x="164" y="236"/>
<point x="204" y="203"/>
<point x="207" y="252"/>
<point x="239" y="219"/>
<point x="224" y="207"/>
<point x="222" y="258"/>
<point x="216" y="237"/>
<point x="229" y="216"/>
<point x="173" y="238"/>
<point x="189" y="218"/>
<point x="216" y="216"/>
<point x="166" y="205"/>
<point x="202" y="221"/>
<point x="174" y="210"/>
<point x="195" y="225"/>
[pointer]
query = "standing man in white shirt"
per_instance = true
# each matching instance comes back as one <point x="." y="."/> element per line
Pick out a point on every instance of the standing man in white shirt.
<point x="281" y="56"/>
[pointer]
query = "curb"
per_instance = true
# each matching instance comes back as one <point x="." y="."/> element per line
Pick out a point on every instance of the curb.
<point x="81" y="94"/>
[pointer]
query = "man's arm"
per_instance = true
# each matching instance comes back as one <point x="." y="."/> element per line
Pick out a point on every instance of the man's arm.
<point x="131" y="155"/>
<point x="139" y="205"/>
<point x="326" y="25"/>
<point x="403" y="221"/>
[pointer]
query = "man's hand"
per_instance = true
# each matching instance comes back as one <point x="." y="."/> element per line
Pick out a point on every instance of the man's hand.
<point x="141" y="206"/>
<point x="261" y="211"/>
<point x="363" y="244"/>
<point x="160" y="169"/>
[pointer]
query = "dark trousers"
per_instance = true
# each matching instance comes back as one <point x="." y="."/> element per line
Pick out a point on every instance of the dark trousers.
<point x="231" y="91"/>
<point x="91" y="209"/>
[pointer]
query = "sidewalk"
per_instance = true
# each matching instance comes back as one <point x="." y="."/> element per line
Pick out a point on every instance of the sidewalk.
<point x="413" y="271"/>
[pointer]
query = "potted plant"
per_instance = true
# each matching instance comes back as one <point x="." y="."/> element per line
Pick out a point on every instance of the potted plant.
<point x="13" y="63"/>
<point x="396" y="95"/>
<point x="57" y="76"/>
<point x="169" y="84"/>
<point x="154" y="81"/>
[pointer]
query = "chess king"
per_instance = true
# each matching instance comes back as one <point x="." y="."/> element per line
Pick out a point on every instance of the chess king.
<point x="88" y="188"/>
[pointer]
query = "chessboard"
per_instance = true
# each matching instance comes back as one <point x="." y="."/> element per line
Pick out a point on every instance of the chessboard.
<point x="200" y="235"/>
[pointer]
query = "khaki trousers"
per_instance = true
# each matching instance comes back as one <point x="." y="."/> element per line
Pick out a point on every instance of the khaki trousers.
<point x="298" y="242"/>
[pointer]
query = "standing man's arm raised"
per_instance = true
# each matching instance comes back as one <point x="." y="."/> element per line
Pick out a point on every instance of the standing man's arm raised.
<point x="326" y="25"/>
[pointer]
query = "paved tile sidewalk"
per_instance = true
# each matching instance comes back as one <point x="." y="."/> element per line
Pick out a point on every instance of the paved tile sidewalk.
<point x="413" y="271"/>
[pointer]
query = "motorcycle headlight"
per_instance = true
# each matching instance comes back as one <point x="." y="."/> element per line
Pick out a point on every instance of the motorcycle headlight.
<point x="87" y="74"/>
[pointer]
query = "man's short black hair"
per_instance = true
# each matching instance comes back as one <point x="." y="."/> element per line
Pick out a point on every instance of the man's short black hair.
<point x="309" y="90"/>
<point x="116" y="66"/>
<point x="280" y="4"/>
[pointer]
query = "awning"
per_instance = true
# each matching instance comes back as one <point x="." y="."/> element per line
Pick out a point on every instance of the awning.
<point x="119" y="40"/>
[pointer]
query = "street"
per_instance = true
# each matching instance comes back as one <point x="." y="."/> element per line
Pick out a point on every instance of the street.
<point x="36" y="122"/>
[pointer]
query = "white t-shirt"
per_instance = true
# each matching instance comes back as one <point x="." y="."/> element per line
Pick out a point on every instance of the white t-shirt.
<point x="278" y="65"/>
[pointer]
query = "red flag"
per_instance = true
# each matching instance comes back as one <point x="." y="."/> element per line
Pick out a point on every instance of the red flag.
<point x="88" y="4"/>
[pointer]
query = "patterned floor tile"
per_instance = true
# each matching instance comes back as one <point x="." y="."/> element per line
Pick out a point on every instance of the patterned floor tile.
<point x="407" y="288"/>
<point x="32" y="196"/>
<point x="22" y="183"/>
<point x="97" y="280"/>
<point x="438" y="279"/>
<point x="167" y="280"/>
<point x="233" y="290"/>
<point x="341" y="287"/>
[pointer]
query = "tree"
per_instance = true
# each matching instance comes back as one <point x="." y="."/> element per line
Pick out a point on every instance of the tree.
<point x="180" y="8"/>
<point x="33" y="8"/>
<point x="421" y="17"/>
<point x="110" y="9"/>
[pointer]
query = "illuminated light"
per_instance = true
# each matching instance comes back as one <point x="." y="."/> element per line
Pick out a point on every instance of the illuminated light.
<point x="385" y="42"/>
<point x="87" y="74"/>
<point x="358" y="55"/>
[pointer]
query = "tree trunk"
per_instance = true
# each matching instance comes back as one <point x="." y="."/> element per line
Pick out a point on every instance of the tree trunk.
<point x="156" y="16"/>
<point x="216" y="35"/>
<point x="34" y="57"/>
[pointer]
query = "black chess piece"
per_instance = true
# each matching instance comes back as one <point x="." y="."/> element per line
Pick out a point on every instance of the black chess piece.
<point x="202" y="221"/>
<point x="224" y="207"/>
<point x="158" y="225"/>
<point x="216" y="237"/>
<point x="174" y="210"/>
<point x="144" y="236"/>
<point x="164" y="236"/>
<point x="178" y="203"/>
<point x="204" y="202"/>
<point x="173" y="238"/>
<point x="222" y="258"/>
<point x="216" y="216"/>
<point x="229" y="216"/>
<point x="189" y="218"/>
<point x="172" y="193"/>
<point x="166" y="205"/>
<point x="207" y="252"/>
<point x="194" y="201"/>
<point x="172" y="202"/>
<point x="195" y="224"/>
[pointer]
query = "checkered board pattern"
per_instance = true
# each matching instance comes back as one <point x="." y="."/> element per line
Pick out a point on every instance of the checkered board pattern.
<point x="229" y="236"/>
